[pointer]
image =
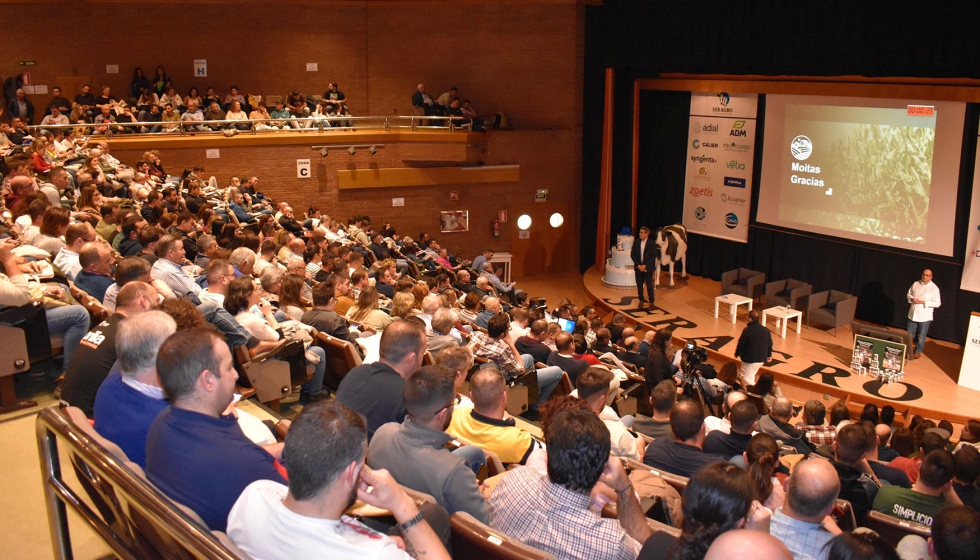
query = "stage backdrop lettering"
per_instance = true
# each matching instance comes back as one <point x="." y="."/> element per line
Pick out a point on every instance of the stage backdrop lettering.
<point x="720" y="148"/>
<point x="970" y="280"/>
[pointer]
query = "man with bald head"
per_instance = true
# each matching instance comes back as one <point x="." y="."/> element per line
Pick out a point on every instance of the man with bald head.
<point x="491" y="306"/>
<point x="777" y="424"/>
<point x="95" y="277"/>
<point x="67" y="258"/>
<point x="802" y="524"/>
<point x="712" y="423"/>
<point x="564" y="357"/>
<point x="746" y="544"/>
<point x="923" y="297"/>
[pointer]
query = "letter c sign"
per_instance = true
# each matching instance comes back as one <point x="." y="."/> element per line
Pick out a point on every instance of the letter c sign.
<point x="303" y="169"/>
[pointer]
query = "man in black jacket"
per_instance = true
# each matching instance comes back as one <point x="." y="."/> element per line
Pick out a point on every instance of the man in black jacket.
<point x="644" y="255"/>
<point x="754" y="348"/>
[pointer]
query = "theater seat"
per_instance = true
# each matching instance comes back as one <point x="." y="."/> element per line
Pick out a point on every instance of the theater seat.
<point x="341" y="358"/>
<point x="892" y="530"/>
<point x="744" y="282"/>
<point x="472" y="540"/>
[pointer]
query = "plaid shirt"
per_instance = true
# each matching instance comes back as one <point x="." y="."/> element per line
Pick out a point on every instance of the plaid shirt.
<point x="528" y="507"/>
<point x="805" y="540"/>
<point x="497" y="351"/>
<point x="819" y="435"/>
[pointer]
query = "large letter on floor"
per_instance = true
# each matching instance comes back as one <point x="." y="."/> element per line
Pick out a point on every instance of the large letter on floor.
<point x="829" y="373"/>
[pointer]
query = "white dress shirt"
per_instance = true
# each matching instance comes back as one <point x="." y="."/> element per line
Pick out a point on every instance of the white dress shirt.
<point x="929" y="293"/>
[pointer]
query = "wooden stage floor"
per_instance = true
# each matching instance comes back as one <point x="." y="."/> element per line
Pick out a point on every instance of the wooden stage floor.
<point x="812" y="364"/>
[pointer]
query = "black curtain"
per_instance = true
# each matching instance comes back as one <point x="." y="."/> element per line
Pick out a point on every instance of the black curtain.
<point x="643" y="39"/>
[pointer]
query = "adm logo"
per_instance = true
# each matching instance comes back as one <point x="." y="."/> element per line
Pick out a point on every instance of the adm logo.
<point x="801" y="147"/>
<point x="731" y="220"/>
<point x="738" y="129"/>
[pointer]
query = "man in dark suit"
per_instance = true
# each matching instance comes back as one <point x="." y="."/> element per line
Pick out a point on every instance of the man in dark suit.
<point x="644" y="255"/>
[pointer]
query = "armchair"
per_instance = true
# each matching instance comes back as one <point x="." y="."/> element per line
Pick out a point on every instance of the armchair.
<point x="786" y="292"/>
<point x="833" y="308"/>
<point x="744" y="282"/>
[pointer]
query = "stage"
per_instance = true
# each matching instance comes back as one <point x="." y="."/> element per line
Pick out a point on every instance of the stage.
<point x="812" y="364"/>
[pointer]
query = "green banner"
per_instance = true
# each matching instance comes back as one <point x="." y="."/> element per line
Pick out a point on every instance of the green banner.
<point x="877" y="354"/>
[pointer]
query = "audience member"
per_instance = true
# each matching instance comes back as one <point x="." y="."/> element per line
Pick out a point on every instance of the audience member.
<point x="955" y="536"/>
<point x="803" y="523"/>
<point x="662" y="398"/>
<point x="777" y="424"/>
<point x="594" y="385"/>
<point x="564" y="357"/>
<point x="746" y="544"/>
<point x="744" y="418"/>
<point x="859" y="546"/>
<point x="931" y="492"/>
<point x="859" y="485"/>
<point x="683" y="454"/>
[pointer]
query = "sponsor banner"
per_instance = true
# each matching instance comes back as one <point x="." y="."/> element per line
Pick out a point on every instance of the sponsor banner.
<point x="733" y="105"/>
<point x="718" y="186"/>
<point x="970" y="280"/>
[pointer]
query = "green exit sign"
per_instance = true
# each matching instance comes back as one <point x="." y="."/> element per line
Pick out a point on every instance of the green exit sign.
<point x="28" y="63"/>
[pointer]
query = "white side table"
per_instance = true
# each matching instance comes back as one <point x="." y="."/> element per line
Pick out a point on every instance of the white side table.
<point x="733" y="301"/>
<point x="783" y="315"/>
<point x="505" y="259"/>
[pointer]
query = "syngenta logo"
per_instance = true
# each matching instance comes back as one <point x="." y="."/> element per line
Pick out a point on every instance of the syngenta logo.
<point x="801" y="147"/>
<point x="703" y="159"/>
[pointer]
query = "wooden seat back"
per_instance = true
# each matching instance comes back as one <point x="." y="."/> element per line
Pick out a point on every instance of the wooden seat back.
<point x="473" y="540"/>
<point x="341" y="358"/>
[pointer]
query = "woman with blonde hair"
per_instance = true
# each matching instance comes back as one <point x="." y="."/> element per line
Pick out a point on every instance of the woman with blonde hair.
<point x="402" y="305"/>
<point x="366" y="311"/>
<point x="420" y="291"/>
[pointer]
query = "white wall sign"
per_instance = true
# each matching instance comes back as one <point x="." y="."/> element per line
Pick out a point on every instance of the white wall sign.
<point x="40" y="90"/>
<point x="311" y="66"/>
<point x="111" y="68"/>
<point x="212" y="153"/>
<point x="398" y="202"/>
<point x="200" y="68"/>
<point x="303" y="169"/>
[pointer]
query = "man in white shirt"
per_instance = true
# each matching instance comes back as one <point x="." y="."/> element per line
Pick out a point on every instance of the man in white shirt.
<point x="67" y="258"/>
<point x="326" y="449"/>
<point x="220" y="273"/>
<point x="55" y="117"/>
<point x="923" y="297"/>
<point x="593" y="387"/>
<point x="169" y="267"/>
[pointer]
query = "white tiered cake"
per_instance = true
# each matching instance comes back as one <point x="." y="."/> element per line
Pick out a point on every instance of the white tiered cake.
<point x="619" y="267"/>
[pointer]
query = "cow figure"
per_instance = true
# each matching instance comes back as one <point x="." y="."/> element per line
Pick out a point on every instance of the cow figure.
<point x="672" y="244"/>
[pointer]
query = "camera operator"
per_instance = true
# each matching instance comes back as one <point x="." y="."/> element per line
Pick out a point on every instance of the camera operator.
<point x="695" y="370"/>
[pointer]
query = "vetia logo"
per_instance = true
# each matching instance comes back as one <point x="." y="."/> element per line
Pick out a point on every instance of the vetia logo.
<point x="735" y="164"/>
<point x="696" y="192"/>
<point x="731" y="220"/>
<point x="703" y="159"/>
<point x="698" y="144"/>
<point x="736" y="182"/>
<point x="738" y="129"/>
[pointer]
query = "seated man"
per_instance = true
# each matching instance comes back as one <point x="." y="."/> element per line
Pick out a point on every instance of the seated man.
<point x="930" y="493"/>
<point x="554" y="512"/>
<point x="496" y="346"/>
<point x="533" y="342"/>
<point x="327" y="447"/>
<point x="682" y="455"/>
<point x="744" y="418"/>
<point x="810" y="499"/>
<point x="168" y="267"/>
<point x="67" y="258"/>
<point x="96" y="353"/>
<point x="491" y="307"/>
<point x="593" y="387"/>
<point x="323" y="317"/>
<point x="195" y="453"/>
<point x="662" y="398"/>
<point x="219" y="273"/>
<point x="442" y="324"/>
<point x="414" y="451"/>
<point x="487" y="423"/>
<point x="127" y="404"/>
<point x="967" y="473"/>
<point x="564" y="357"/>
<point x="777" y="424"/>
<point x="817" y="433"/>
<point x="95" y="276"/>
<point x="858" y="483"/>
<point x="375" y="390"/>
<point x="631" y="352"/>
<point x="955" y="536"/>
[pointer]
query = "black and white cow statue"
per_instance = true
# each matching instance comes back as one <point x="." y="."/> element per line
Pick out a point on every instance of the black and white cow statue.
<point x="672" y="244"/>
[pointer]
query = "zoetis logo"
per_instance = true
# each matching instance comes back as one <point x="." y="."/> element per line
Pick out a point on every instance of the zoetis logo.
<point x="701" y="191"/>
<point x="738" y="129"/>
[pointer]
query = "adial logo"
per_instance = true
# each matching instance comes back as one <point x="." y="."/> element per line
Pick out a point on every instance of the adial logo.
<point x="801" y="147"/>
<point x="700" y="212"/>
<point x="701" y="128"/>
<point x="735" y="164"/>
<point x="723" y="100"/>
<point x="738" y="129"/>
<point x="731" y="220"/>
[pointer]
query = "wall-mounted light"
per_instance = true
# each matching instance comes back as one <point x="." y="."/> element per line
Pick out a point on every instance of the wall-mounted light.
<point x="351" y="150"/>
<point x="524" y="222"/>
<point x="323" y="152"/>
<point x="557" y="220"/>
<point x="372" y="150"/>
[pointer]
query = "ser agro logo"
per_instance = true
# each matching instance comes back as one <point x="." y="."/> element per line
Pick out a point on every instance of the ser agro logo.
<point x="723" y="100"/>
<point x="801" y="147"/>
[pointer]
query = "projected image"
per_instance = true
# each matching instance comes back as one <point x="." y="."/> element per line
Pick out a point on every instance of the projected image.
<point x="881" y="171"/>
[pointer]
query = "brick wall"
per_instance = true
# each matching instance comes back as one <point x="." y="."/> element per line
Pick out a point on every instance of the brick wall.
<point x="521" y="58"/>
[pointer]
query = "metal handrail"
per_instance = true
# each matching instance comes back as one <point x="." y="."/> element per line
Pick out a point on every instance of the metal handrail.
<point x="315" y="124"/>
<point x="54" y="427"/>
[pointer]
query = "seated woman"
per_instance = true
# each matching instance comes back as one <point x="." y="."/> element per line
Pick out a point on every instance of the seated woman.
<point x="402" y="305"/>
<point x="192" y="95"/>
<point x="727" y="379"/>
<point x="290" y="297"/>
<point x="90" y="202"/>
<point x="762" y="458"/>
<point x="235" y="113"/>
<point x="366" y="311"/>
<point x="173" y="99"/>
<point x="54" y="225"/>
<point x="767" y="388"/>
<point x="38" y="148"/>
<point x="255" y="315"/>
<point x="659" y="364"/>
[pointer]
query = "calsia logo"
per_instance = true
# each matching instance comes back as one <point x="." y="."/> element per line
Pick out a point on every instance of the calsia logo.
<point x="801" y="147"/>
